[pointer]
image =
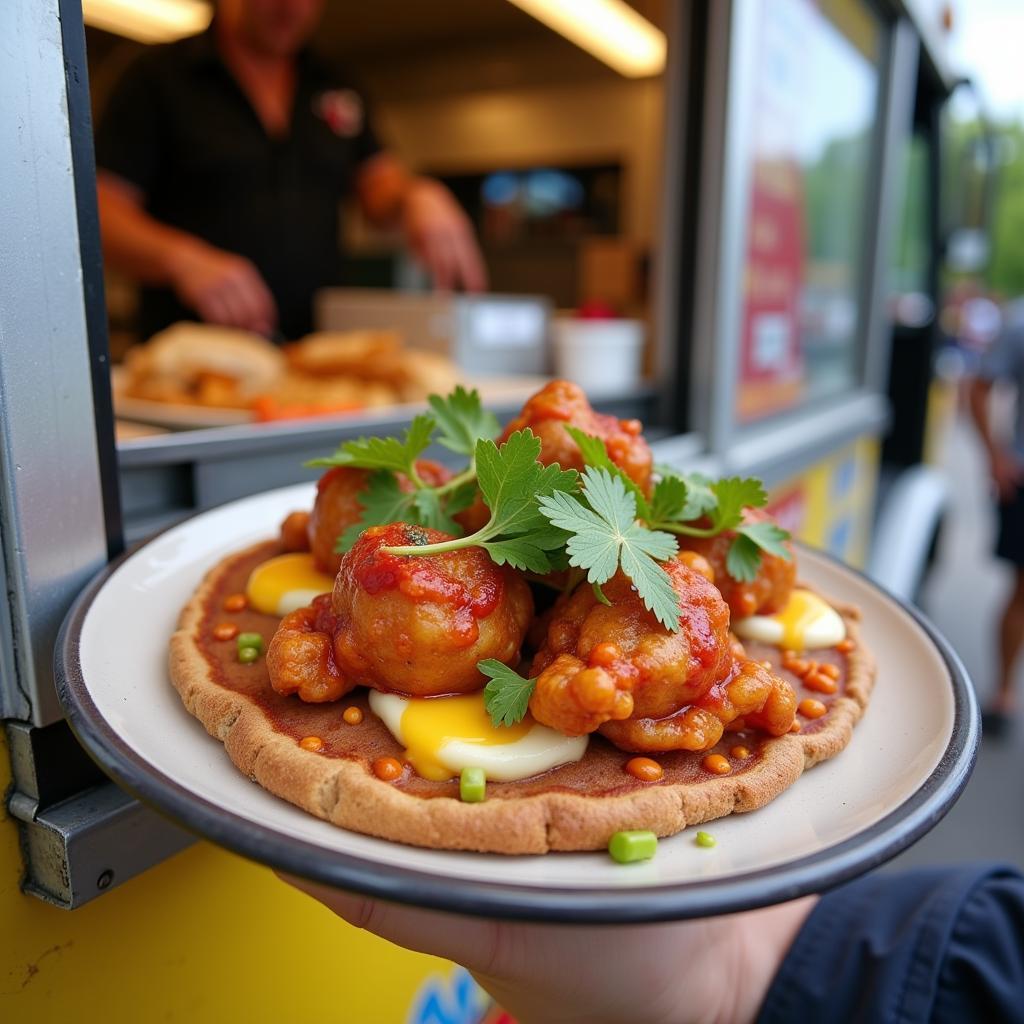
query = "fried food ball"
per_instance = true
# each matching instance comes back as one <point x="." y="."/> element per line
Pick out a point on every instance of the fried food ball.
<point x="616" y="669"/>
<point x="768" y="592"/>
<point x="337" y="507"/>
<point x="300" y="658"/>
<point x="660" y="671"/>
<point x="419" y="625"/>
<point x="562" y="403"/>
<point x="295" y="531"/>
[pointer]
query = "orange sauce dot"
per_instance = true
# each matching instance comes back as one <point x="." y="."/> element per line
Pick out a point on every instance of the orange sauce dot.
<point x="821" y="683"/>
<point x="716" y="764"/>
<point x="740" y="752"/>
<point x="797" y="667"/>
<point x="313" y="743"/>
<point x="644" y="768"/>
<point x="236" y="603"/>
<point x="845" y="646"/>
<point x="830" y="670"/>
<point x="353" y="715"/>
<point x="387" y="769"/>
<point x="225" y="631"/>
<point x="811" y="708"/>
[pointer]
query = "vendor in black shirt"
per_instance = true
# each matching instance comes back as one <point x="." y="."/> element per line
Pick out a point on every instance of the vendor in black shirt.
<point x="222" y="163"/>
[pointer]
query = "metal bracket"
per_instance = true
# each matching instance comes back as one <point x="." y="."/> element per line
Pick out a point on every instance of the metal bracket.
<point x="81" y="835"/>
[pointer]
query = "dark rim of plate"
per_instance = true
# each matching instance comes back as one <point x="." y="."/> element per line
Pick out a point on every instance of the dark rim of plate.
<point x="700" y="898"/>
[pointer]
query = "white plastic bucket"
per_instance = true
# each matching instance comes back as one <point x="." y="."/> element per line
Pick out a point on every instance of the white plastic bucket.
<point x="602" y="356"/>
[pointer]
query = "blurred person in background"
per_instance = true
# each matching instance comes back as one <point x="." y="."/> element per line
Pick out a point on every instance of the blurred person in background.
<point x="222" y="162"/>
<point x="1004" y="361"/>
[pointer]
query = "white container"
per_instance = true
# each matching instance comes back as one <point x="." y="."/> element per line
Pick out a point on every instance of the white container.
<point x="603" y="356"/>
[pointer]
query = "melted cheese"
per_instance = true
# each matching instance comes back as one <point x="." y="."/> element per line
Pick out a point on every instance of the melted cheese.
<point x="443" y="735"/>
<point x="282" y="584"/>
<point x="805" y="623"/>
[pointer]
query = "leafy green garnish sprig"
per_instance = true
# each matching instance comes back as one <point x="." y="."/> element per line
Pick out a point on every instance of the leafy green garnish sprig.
<point x="395" y="490"/>
<point x="691" y="505"/>
<point x="512" y="482"/>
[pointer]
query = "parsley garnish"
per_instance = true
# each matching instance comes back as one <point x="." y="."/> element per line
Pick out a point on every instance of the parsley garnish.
<point x="512" y="481"/>
<point x="679" y="501"/>
<point x="463" y="420"/>
<point x="605" y="536"/>
<point x="386" y="452"/>
<point x="507" y="695"/>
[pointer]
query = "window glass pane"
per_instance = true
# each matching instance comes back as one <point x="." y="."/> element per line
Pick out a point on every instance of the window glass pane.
<point x="815" y="104"/>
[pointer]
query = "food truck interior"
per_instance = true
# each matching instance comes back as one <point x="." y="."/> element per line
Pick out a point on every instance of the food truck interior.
<point x="762" y="209"/>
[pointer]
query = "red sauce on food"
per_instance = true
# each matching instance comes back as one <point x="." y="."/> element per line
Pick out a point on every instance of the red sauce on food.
<point x="421" y="579"/>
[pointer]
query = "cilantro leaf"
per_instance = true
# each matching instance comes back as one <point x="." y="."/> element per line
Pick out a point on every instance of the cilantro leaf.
<point x="595" y="453"/>
<point x="700" y="499"/>
<point x="733" y="494"/>
<point x="669" y="499"/>
<point x="768" y="537"/>
<point x="383" y="502"/>
<point x="463" y="420"/>
<point x="744" y="556"/>
<point x="461" y="498"/>
<point x="429" y="510"/>
<point x="511" y="480"/>
<point x="507" y="695"/>
<point x="743" y="559"/>
<point x="606" y="536"/>
<point x="385" y="452"/>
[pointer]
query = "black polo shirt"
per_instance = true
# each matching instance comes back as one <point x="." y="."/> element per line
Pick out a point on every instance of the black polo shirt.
<point x="180" y="128"/>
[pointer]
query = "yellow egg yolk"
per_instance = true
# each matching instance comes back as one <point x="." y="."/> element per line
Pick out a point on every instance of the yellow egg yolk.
<point x="282" y="584"/>
<point x="801" y="610"/>
<point x="430" y="722"/>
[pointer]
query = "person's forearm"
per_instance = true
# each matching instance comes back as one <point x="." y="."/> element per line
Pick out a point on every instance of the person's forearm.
<point x="383" y="187"/>
<point x="138" y="244"/>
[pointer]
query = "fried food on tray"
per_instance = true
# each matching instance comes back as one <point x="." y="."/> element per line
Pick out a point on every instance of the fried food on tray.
<point x="372" y="359"/>
<point x="562" y="403"/>
<point x="416" y="625"/>
<point x="772" y="585"/>
<point x="203" y="364"/>
<point x="615" y="668"/>
<point x="338" y="371"/>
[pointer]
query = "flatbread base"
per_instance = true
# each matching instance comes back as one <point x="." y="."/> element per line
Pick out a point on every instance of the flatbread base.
<point x="345" y="792"/>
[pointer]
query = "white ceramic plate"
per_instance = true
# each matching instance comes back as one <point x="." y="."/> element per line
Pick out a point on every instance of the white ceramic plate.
<point x="909" y="758"/>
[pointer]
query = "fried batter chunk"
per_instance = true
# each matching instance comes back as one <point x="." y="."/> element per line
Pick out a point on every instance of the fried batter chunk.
<point x="768" y="592"/>
<point x="616" y="669"/>
<point x="562" y="403"/>
<point x="419" y="625"/>
<point x="337" y="507"/>
<point x="300" y="658"/>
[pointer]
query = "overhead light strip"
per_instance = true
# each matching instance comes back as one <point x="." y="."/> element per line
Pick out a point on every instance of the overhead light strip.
<point x="148" y="21"/>
<point x="610" y="30"/>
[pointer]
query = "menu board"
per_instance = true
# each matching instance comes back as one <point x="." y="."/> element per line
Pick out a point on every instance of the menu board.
<point x="814" y="109"/>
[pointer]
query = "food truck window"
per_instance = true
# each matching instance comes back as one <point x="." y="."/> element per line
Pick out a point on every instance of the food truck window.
<point x="814" y="110"/>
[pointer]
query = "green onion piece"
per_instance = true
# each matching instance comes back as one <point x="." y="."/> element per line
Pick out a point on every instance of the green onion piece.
<point x="253" y="640"/>
<point x="705" y="839"/>
<point x="472" y="785"/>
<point x="247" y="655"/>
<point x="626" y="847"/>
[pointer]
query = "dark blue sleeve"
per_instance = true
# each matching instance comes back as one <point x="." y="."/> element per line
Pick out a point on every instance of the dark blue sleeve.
<point x="942" y="945"/>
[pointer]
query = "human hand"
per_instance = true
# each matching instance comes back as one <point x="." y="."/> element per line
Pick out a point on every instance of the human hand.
<point x="1007" y="473"/>
<point x="441" y="236"/>
<point x="713" y="971"/>
<point x="223" y="288"/>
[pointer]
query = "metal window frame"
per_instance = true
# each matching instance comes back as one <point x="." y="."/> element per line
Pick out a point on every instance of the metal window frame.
<point x="781" y="444"/>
